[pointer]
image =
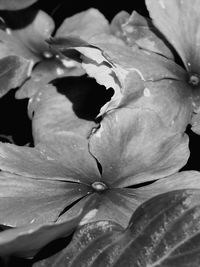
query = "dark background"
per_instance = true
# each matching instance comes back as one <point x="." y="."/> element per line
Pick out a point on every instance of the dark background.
<point x="15" y="126"/>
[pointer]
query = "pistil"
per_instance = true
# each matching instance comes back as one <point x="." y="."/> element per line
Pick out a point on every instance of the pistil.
<point x="99" y="186"/>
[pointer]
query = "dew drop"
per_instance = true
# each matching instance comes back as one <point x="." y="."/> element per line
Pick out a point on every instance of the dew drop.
<point x="59" y="71"/>
<point x="8" y="31"/>
<point x="47" y="54"/>
<point x="147" y="92"/>
<point x="68" y="63"/>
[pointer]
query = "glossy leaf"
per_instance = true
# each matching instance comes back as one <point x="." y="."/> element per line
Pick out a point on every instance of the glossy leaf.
<point x="15" y="4"/>
<point x="137" y="30"/>
<point x="164" y="231"/>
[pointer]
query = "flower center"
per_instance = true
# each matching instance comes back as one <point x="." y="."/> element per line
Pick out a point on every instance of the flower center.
<point x="194" y="79"/>
<point x="99" y="186"/>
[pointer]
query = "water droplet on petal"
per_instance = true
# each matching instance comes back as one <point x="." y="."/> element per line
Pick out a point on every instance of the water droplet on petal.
<point x="47" y="54"/>
<point x="8" y="31"/>
<point x="68" y="63"/>
<point x="147" y="92"/>
<point x="59" y="71"/>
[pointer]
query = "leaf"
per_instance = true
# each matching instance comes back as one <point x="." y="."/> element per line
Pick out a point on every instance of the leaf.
<point x="179" y="21"/>
<point x="135" y="30"/>
<point x="164" y="231"/>
<point x="15" y="4"/>
<point x="142" y="150"/>
<point x="14" y="71"/>
<point x="85" y="25"/>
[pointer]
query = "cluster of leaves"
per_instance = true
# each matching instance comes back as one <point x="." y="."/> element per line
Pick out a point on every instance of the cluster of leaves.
<point x="109" y="104"/>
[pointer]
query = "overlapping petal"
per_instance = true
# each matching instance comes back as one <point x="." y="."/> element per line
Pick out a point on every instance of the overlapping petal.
<point x="52" y="159"/>
<point x="134" y="146"/>
<point x="54" y="112"/>
<point x="85" y="25"/>
<point x="33" y="36"/>
<point x="15" y="5"/>
<point x="137" y="30"/>
<point x="179" y="21"/>
<point x="14" y="71"/>
<point x="27" y="240"/>
<point x="20" y="49"/>
<point x="45" y="72"/>
<point x="129" y="72"/>
<point x="26" y="200"/>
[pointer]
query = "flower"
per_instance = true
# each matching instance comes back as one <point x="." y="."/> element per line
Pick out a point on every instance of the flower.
<point x="83" y="171"/>
<point x="180" y="23"/>
<point x="21" y="49"/>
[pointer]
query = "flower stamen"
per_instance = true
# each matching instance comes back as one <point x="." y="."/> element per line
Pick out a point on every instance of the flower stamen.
<point x="194" y="79"/>
<point x="99" y="186"/>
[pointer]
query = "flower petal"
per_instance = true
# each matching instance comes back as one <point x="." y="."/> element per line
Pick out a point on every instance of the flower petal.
<point x="15" y="5"/>
<point x="178" y="181"/>
<point x="165" y="231"/>
<point x="170" y="99"/>
<point x="33" y="36"/>
<point x="114" y="65"/>
<point x="114" y="204"/>
<point x="55" y="112"/>
<point x="143" y="148"/>
<point x="10" y="45"/>
<point x="45" y="72"/>
<point x="52" y="160"/>
<point x="14" y="71"/>
<point x="85" y="24"/>
<point x="135" y="30"/>
<point x="26" y="201"/>
<point x="28" y="240"/>
<point x="179" y="21"/>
